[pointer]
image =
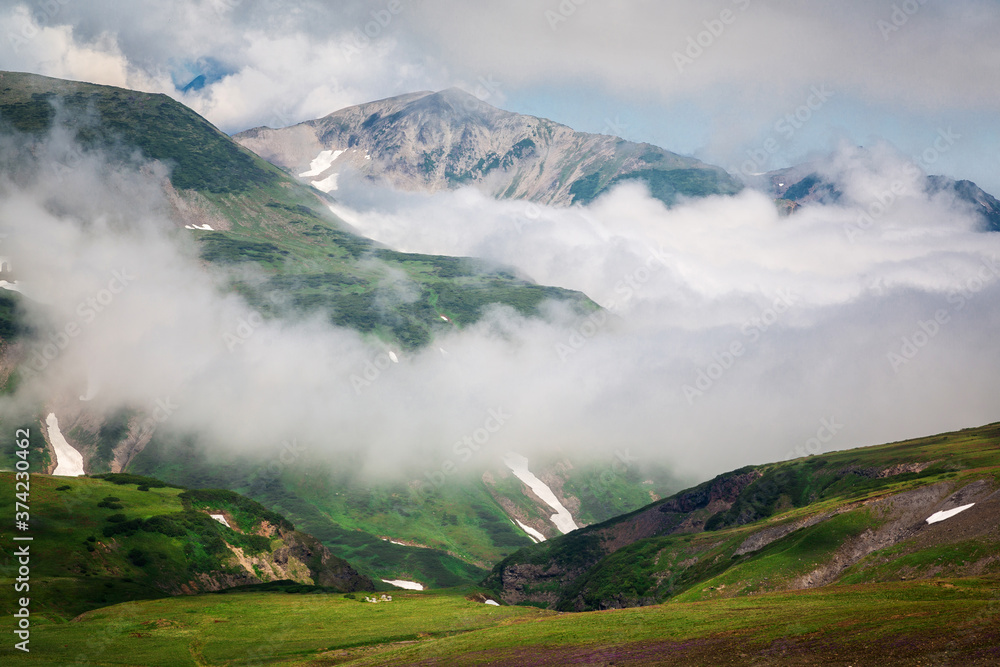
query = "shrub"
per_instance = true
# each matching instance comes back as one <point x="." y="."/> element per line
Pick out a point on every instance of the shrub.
<point x="138" y="557"/>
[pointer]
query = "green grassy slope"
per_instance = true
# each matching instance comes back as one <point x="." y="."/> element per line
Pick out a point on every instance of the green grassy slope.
<point x="101" y="541"/>
<point x="932" y="622"/>
<point x="798" y="515"/>
<point x="308" y="258"/>
<point x="466" y="529"/>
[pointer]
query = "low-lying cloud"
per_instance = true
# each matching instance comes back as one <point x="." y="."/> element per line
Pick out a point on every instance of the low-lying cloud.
<point x="729" y="334"/>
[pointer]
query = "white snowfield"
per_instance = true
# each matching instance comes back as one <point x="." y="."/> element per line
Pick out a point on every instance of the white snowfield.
<point x="328" y="184"/>
<point x="221" y="518"/>
<point x="408" y="585"/>
<point x="204" y="228"/>
<point x="318" y="166"/>
<point x="532" y="533"/>
<point x="562" y="519"/>
<point x="492" y="603"/>
<point x="12" y="286"/>
<point x="321" y="163"/>
<point x="69" y="462"/>
<point x="947" y="514"/>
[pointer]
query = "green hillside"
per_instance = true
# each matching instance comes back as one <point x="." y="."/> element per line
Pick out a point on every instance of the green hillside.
<point x="260" y="215"/>
<point x="460" y="527"/>
<point x="852" y="516"/>
<point x="124" y="537"/>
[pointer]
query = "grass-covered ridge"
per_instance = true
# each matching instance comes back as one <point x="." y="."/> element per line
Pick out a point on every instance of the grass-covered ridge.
<point x="852" y="516"/>
<point x="259" y="215"/>
<point x="202" y="157"/>
<point x="129" y="537"/>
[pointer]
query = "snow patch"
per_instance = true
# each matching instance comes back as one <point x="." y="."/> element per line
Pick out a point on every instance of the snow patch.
<point x="204" y="228"/>
<point x="321" y="163"/>
<point x="10" y="286"/>
<point x="535" y="536"/>
<point x="221" y="518"/>
<point x="408" y="585"/>
<point x="492" y="603"/>
<point x="562" y="519"/>
<point x="947" y="514"/>
<point x="69" y="462"/>
<point x="327" y="184"/>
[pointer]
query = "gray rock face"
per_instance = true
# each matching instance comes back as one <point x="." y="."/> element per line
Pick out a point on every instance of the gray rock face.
<point x="430" y="141"/>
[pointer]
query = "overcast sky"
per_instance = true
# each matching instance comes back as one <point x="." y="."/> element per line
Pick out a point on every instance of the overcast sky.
<point x="710" y="78"/>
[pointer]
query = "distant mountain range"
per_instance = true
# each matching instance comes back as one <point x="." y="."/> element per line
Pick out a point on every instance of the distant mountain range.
<point x="802" y="184"/>
<point x="433" y="141"/>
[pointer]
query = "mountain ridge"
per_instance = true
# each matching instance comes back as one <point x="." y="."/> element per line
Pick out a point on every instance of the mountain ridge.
<point x="440" y="140"/>
<point x="852" y="516"/>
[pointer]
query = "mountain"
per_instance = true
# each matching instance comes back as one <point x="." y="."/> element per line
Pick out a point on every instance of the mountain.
<point x="911" y="510"/>
<point x="241" y="211"/>
<point x="433" y="141"/>
<point x="126" y="537"/>
<point x="801" y="184"/>
<point x="439" y="533"/>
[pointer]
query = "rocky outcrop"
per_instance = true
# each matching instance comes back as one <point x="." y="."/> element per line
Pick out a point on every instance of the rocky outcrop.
<point x="761" y="539"/>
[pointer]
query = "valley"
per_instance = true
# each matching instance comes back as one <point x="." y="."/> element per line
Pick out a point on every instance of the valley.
<point x="258" y="435"/>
